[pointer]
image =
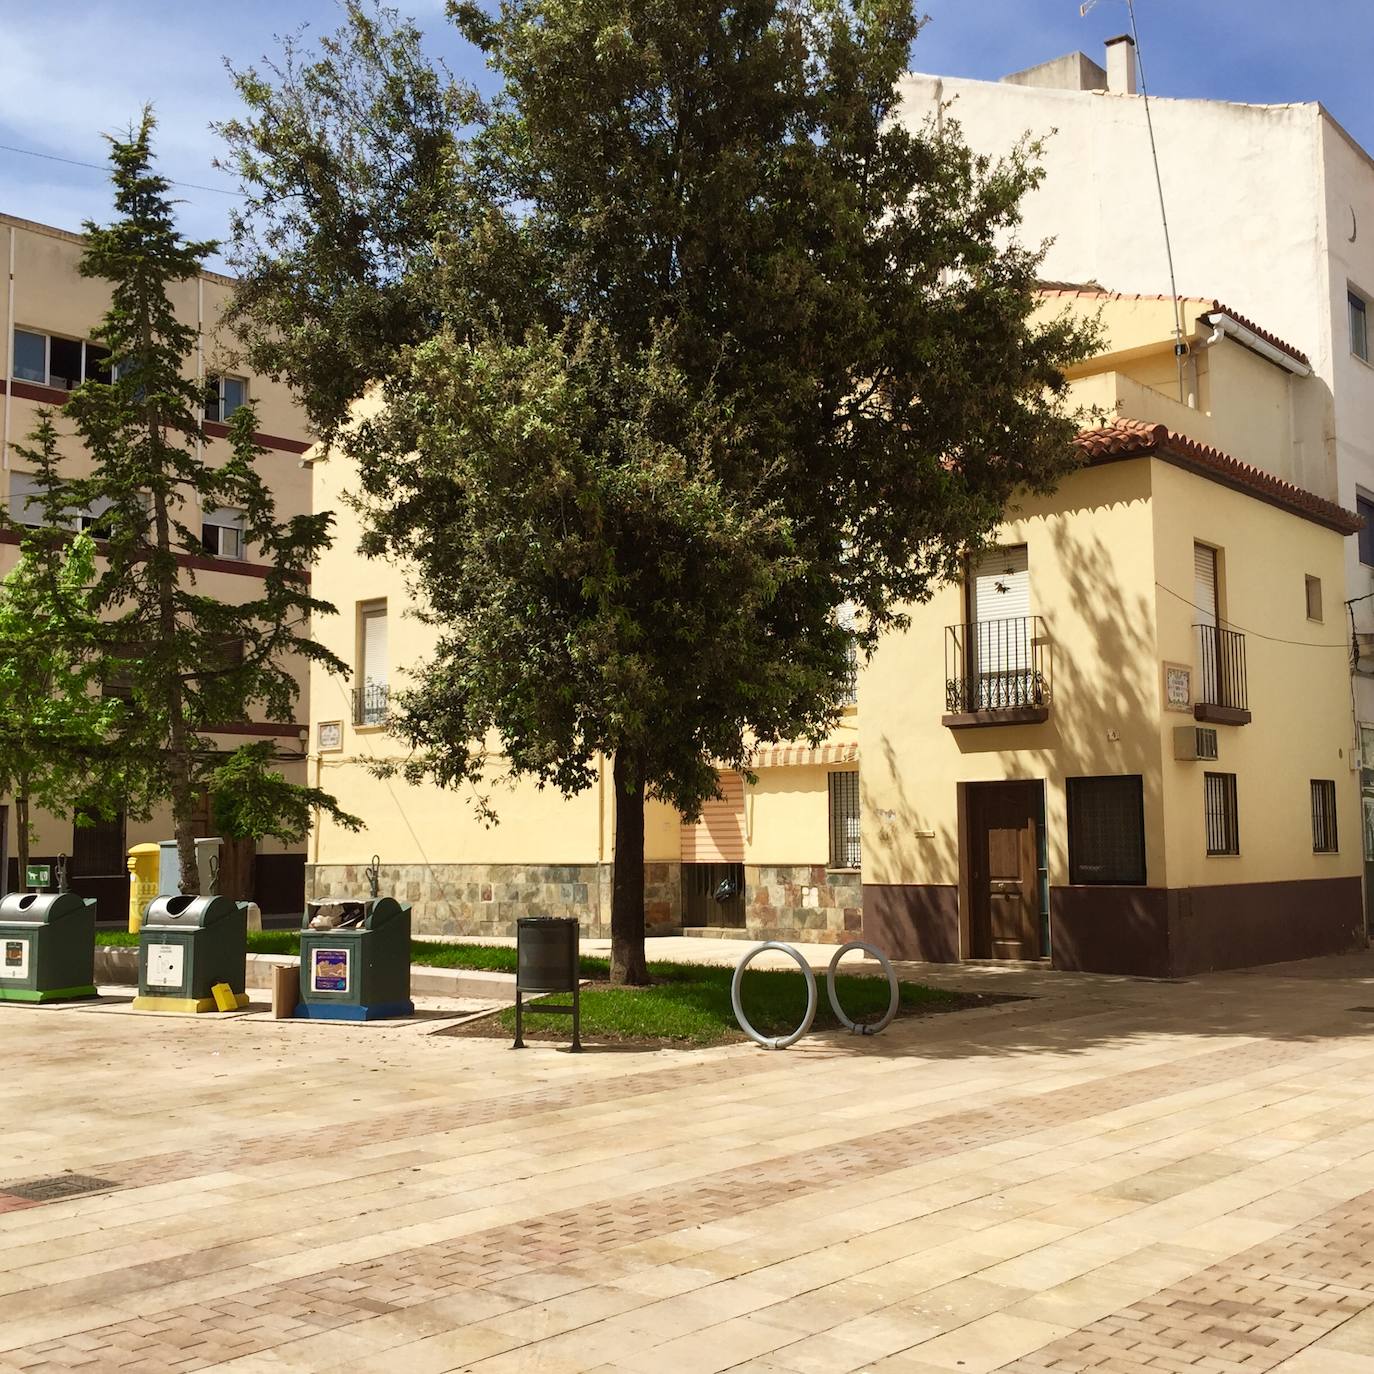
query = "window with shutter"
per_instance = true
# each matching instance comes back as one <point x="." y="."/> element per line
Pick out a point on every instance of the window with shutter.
<point x="845" y="850"/>
<point x="373" y="682"/>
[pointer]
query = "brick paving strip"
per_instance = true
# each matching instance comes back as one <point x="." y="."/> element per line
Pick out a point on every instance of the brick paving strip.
<point x="197" y="1335"/>
<point x="1248" y="1313"/>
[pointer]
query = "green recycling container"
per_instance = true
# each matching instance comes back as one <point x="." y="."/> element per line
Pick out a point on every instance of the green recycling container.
<point x="47" y="947"/>
<point x="188" y="945"/>
<point x="359" y="970"/>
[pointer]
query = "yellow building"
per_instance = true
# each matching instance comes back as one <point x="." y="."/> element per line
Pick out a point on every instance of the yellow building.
<point x="46" y="350"/>
<point x="1047" y="754"/>
<point x="1124" y="743"/>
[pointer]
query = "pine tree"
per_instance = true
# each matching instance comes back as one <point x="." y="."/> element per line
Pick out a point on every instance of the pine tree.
<point x="189" y="661"/>
<point x="54" y="724"/>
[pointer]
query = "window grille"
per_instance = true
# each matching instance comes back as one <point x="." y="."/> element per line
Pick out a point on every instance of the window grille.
<point x="1324" y="816"/>
<point x="1223" y="830"/>
<point x="1107" y="830"/>
<point x="844" y="820"/>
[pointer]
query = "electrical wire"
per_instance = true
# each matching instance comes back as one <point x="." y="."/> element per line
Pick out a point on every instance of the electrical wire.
<point x="1255" y="634"/>
<point x="97" y="167"/>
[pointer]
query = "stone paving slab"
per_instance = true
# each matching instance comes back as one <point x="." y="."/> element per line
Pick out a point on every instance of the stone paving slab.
<point x="1110" y="1175"/>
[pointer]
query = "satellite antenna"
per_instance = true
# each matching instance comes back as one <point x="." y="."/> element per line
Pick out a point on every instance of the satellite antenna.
<point x="1180" y="347"/>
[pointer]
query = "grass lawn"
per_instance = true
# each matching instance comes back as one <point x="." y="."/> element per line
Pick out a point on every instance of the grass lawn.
<point x="690" y="1003"/>
<point x="686" y="1004"/>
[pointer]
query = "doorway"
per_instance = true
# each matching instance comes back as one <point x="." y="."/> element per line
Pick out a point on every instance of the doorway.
<point x="1008" y="917"/>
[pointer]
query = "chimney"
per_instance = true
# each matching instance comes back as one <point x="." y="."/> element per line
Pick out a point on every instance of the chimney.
<point x="1121" y="73"/>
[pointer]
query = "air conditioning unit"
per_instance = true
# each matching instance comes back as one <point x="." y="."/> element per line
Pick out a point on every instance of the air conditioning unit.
<point x="1193" y="742"/>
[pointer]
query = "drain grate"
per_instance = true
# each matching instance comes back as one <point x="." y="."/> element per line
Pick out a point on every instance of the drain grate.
<point x="54" y="1189"/>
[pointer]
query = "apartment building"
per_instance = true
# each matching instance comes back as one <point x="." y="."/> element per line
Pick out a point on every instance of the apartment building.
<point x="46" y="350"/>
<point x="1270" y="209"/>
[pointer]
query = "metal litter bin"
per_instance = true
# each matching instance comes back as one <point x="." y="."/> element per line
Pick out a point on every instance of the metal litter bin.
<point x="47" y="947"/>
<point x="360" y="969"/>
<point x="186" y="946"/>
<point x="547" y="960"/>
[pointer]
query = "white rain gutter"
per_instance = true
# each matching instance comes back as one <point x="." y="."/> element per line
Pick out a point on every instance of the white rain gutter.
<point x="1247" y="338"/>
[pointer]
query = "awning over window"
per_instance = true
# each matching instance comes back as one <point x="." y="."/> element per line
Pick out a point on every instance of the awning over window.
<point x="806" y="756"/>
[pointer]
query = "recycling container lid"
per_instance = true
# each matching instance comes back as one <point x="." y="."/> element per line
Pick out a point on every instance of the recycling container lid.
<point x="184" y="912"/>
<point x="39" y="908"/>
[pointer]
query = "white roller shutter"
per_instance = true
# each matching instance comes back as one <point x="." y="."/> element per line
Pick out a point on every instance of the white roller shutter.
<point x="1205" y="583"/>
<point x="374" y="664"/>
<point x="1001" y="584"/>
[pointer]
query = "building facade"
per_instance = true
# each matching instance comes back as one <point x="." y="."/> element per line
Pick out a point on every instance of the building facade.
<point x="1301" y="260"/>
<point x="45" y="350"/>
<point x="1123" y="743"/>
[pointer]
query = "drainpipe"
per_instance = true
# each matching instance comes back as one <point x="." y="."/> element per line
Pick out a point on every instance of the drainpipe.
<point x="1216" y="336"/>
<point x="9" y="360"/>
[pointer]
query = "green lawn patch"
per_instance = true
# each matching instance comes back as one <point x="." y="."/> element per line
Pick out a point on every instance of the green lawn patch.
<point x="689" y="1004"/>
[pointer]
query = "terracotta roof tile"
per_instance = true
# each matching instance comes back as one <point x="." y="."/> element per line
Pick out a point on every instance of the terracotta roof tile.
<point x="1219" y="309"/>
<point x="1138" y="438"/>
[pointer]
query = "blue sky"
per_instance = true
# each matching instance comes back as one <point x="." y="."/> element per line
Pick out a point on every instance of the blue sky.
<point x="63" y="83"/>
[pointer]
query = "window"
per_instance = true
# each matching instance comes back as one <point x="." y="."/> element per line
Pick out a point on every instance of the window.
<point x="221" y="533"/>
<point x="1314" y="598"/>
<point x="1107" y="830"/>
<point x="57" y="362"/>
<point x="1359" y="326"/>
<point x="844" y="820"/>
<point x="1324" y="816"/>
<point x="373" y="692"/>
<point x="1223" y="830"/>
<point x="224" y="395"/>
<point x="24" y="506"/>
<point x="1364" y="507"/>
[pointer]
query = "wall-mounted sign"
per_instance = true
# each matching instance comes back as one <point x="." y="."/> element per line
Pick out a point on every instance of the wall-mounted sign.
<point x="1178" y="687"/>
<point x="38" y="875"/>
<point x="329" y="736"/>
<point x="329" y="970"/>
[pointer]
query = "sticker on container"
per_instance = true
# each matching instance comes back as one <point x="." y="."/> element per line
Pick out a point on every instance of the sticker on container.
<point x="329" y="970"/>
<point x="166" y="965"/>
<point x="14" y="959"/>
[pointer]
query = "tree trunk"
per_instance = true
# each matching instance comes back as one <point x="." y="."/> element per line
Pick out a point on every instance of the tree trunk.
<point x="628" y="964"/>
<point x="21" y="840"/>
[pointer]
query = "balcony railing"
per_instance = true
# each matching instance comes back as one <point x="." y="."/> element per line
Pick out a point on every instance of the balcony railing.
<point x="997" y="672"/>
<point x="1221" y="693"/>
<point x="371" y="704"/>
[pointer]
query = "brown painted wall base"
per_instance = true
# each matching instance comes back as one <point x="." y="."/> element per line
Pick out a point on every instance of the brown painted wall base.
<point x="913" y="922"/>
<point x="1145" y="932"/>
<point x="1154" y="933"/>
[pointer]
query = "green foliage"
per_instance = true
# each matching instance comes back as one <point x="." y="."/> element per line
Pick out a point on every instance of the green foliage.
<point x="682" y="341"/>
<point x="188" y="660"/>
<point x="250" y="800"/>
<point x="54" y="724"/>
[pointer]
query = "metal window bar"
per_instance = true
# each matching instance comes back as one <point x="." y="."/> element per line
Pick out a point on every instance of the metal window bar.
<point x="1221" y="661"/>
<point x="371" y="704"/>
<point x="1324" y="839"/>
<point x="1223" y="829"/>
<point x="845" y="850"/>
<point x="996" y="665"/>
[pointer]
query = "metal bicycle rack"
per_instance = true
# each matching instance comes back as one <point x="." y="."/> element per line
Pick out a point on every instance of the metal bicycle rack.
<point x="781" y="1042"/>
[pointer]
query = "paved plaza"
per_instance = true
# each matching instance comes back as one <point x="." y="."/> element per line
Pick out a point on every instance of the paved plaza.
<point x="1110" y="1175"/>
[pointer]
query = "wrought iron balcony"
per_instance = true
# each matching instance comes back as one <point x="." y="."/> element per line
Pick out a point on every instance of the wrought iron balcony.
<point x="997" y="672"/>
<point x="371" y="704"/>
<point x="1220" y="694"/>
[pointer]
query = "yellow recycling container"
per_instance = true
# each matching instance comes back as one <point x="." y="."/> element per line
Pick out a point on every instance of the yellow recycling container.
<point x="143" y="862"/>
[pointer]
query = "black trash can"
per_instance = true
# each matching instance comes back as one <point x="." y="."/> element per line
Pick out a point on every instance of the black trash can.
<point x="547" y="960"/>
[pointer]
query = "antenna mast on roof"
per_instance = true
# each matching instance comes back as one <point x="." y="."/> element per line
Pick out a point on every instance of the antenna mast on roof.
<point x="1180" y="346"/>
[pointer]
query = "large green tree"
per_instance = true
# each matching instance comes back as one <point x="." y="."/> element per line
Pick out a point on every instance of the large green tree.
<point x="54" y="723"/>
<point x="682" y="340"/>
<point x="142" y="473"/>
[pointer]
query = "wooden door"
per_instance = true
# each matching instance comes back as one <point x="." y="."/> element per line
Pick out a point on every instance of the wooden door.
<point x="1004" y="835"/>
